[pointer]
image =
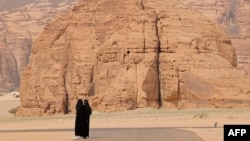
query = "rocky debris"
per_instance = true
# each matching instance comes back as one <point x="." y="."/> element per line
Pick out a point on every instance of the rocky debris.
<point x="131" y="54"/>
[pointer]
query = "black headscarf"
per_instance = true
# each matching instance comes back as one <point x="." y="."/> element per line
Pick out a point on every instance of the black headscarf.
<point x="87" y="107"/>
<point x="79" y="105"/>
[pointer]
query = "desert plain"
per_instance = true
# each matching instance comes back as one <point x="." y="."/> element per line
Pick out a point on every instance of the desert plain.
<point x="140" y="124"/>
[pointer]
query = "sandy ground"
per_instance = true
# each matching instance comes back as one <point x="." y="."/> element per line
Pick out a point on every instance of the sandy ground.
<point x="165" y="123"/>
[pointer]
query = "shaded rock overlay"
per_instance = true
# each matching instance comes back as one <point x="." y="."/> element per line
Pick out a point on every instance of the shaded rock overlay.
<point x="233" y="16"/>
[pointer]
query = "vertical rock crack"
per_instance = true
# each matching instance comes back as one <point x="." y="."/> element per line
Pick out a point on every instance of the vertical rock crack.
<point x="158" y="51"/>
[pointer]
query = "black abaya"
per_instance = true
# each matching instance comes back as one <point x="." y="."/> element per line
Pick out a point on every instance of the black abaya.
<point x="86" y="117"/>
<point x="83" y="113"/>
<point x="79" y="124"/>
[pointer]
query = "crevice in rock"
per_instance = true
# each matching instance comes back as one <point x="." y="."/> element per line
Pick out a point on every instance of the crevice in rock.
<point x="137" y="92"/>
<point x="66" y="103"/>
<point x="91" y="91"/>
<point x="158" y="51"/>
<point x="91" y="75"/>
<point x="144" y="40"/>
<point x="66" y="94"/>
<point x="142" y="5"/>
<point x="178" y="88"/>
<point x="59" y="35"/>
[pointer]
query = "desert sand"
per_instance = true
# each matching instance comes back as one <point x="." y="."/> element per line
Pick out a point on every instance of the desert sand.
<point x="141" y="124"/>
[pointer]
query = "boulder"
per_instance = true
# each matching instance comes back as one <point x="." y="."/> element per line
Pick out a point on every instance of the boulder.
<point x="123" y="55"/>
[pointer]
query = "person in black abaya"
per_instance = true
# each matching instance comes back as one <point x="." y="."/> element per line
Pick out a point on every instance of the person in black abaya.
<point x="86" y="117"/>
<point x="79" y="121"/>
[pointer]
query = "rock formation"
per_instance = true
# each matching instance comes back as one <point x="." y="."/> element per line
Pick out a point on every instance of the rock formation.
<point x="233" y="16"/>
<point x="20" y="22"/>
<point x="131" y="54"/>
<point x="15" y="46"/>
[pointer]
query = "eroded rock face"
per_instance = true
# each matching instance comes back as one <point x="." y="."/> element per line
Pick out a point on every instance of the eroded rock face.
<point x="9" y="73"/>
<point x="128" y="54"/>
<point x="20" y="22"/>
<point x="15" y="49"/>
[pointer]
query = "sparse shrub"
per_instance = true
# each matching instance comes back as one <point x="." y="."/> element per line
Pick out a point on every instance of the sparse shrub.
<point x="13" y="110"/>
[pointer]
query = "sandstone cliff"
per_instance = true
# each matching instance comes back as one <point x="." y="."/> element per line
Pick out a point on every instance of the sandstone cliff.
<point x="131" y="54"/>
<point x="20" y="22"/>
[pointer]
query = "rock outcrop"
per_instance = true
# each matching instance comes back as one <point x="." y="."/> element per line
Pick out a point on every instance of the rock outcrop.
<point x="233" y="16"/>
<point x="131" y="54"/>
<point x="20" y="22"/>
<point x="15" y="44"/>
